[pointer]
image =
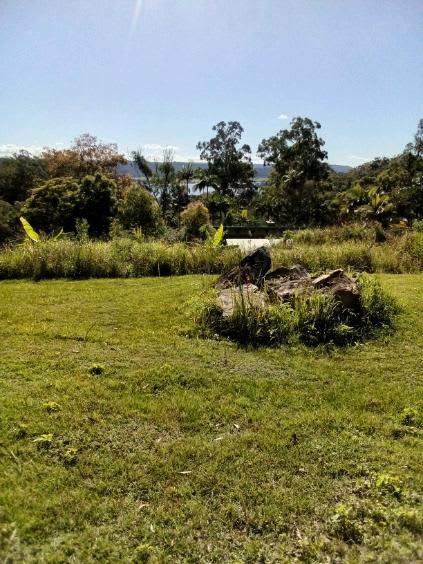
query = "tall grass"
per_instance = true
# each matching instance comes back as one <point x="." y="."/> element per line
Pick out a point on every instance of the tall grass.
<point x="336" y="234"/>
<point x="121" y="258"/>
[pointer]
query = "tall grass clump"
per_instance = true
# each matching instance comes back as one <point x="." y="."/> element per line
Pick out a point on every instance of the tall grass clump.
<point x="125" y="257"/>
<point x="336" y="234"/>
<point x="119" y="258"/>
<point x="311" y="319"/>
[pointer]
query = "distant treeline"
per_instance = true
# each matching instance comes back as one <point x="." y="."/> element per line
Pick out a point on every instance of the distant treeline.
<point x="92" y="189"/>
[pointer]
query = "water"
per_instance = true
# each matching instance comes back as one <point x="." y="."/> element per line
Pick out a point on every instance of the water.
<point x="249" y="245"/>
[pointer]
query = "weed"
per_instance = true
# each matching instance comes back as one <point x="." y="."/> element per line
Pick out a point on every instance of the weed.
<point x="96" y="369"/>
<point x="388" y="484"/>
<point x="51" y="406"/>
<point x="44" y="441"/>
<point x="70" y="456"/>
<point x="409" y="417"/>
<point x="346" y="526"/>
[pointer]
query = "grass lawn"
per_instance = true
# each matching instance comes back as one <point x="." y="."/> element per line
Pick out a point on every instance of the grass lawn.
<point x="197" y="451"/>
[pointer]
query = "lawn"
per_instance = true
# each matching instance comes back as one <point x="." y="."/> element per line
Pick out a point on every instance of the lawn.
<point x="176" y="449"/>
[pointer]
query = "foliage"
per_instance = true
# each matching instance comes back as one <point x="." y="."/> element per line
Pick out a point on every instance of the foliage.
<point x="195" y="218"/>
<point x="97" y="203"/>
<point x="144" y="168"/>
<point x="54" y="204"/>
<point x="29" y="230"/>
<point x="124" y="256"/>
<point x="296" y="156"/>
<point x="58" y="202"/>
<point x="8" y="221"/>
<point x="119" y="258"/>
<point x="218" y="236"/>
<point x="87" y="156"/>
<point x="18" y="175"/>
<point x="228" y="164"/>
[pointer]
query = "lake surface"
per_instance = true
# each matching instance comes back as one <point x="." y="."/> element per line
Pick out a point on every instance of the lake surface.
<point x="250" y="245"/>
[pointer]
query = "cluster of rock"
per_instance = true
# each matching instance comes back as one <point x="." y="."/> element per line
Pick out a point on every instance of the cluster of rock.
<point x="252" y="280"/>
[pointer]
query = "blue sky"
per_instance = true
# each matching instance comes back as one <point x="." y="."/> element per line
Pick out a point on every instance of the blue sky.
<point x="154" y="73"/>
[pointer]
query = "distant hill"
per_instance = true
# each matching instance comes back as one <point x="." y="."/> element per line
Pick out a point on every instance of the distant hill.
<point x="261" y="171"/>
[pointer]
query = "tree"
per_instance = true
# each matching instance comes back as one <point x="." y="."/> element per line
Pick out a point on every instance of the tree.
<point x="98" y="203"/>
<point x="187" y="174"/>
<point x="229" y="163"/>
<point x="58" y="202"/>
<point x="144" y="168"/>
<point x="205" y="180"/>
<point x="138" y="208"/>
<point x="162" y="182"/>
<point x="53" y="204"/>
<point x="18" y="175"/>
<point x="297" y="156"/>
<point x="87" y="156"/>
<point x="8" y="221"/>
<point x="416" y="148"/>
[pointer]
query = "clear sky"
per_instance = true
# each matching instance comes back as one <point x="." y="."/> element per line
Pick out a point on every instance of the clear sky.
<point x="153" y="73"/>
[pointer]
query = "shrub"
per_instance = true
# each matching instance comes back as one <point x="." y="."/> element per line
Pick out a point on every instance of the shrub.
<point x="195" y="218"/>
<point x="378" y="308"/>
<point x="139" y="209"/>
<point x="53" y="204"/>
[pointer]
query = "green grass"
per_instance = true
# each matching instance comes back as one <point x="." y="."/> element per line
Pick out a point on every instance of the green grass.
<point x="124" y="440"/>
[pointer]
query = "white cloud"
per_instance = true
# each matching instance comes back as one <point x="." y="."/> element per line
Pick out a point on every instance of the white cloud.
<point x="8" y="149"/>
<point x="154" y="152"/>
<point x="282" y="116"/>
<point x="359" y="159"/>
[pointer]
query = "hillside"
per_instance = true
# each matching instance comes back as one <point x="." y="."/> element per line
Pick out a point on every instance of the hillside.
<point x="261" y="170"/>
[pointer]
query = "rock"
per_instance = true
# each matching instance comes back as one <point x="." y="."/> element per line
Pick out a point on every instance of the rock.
<point x="328" y="279"/>
<point x="288" y="273"/>
<point x="285" y="291"/>
<point x="343" y="288"/>
<point x="285" y="281"/>
<point x="251" y="270"/>
<point x="248" y="293"/>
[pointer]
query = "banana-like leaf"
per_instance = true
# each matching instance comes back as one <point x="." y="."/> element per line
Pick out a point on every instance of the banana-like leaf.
<point x="218" y="236"/>
<point x="32" y="234"/>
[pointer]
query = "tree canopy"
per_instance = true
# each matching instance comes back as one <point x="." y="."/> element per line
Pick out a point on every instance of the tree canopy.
<point x="228" y="162"/>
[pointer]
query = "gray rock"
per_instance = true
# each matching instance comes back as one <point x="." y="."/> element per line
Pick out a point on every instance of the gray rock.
<point x="288" y="273"/>
<point x="328" y="279"/>
<point x="251" y="270"/>
<point x="247" y="294"/>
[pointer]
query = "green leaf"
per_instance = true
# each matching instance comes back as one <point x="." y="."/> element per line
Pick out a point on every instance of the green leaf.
<point x="218" y="236"/>
<point x="32" y="234"/>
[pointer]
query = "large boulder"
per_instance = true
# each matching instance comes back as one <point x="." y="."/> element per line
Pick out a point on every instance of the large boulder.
<point x="284" y="282"/>
<point x="247" y="294"/>
<point x="251" y="270"/>
<point x="342" y="288"/>
<point x="284" y="273"/>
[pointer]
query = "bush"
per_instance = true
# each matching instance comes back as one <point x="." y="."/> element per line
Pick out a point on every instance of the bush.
<point x="53" y="205"/>
<point x="195" y="219"/>
<point x="139" y="209"/>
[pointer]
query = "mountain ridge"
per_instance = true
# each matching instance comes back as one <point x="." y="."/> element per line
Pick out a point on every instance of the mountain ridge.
<point x="262" y="171"/>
